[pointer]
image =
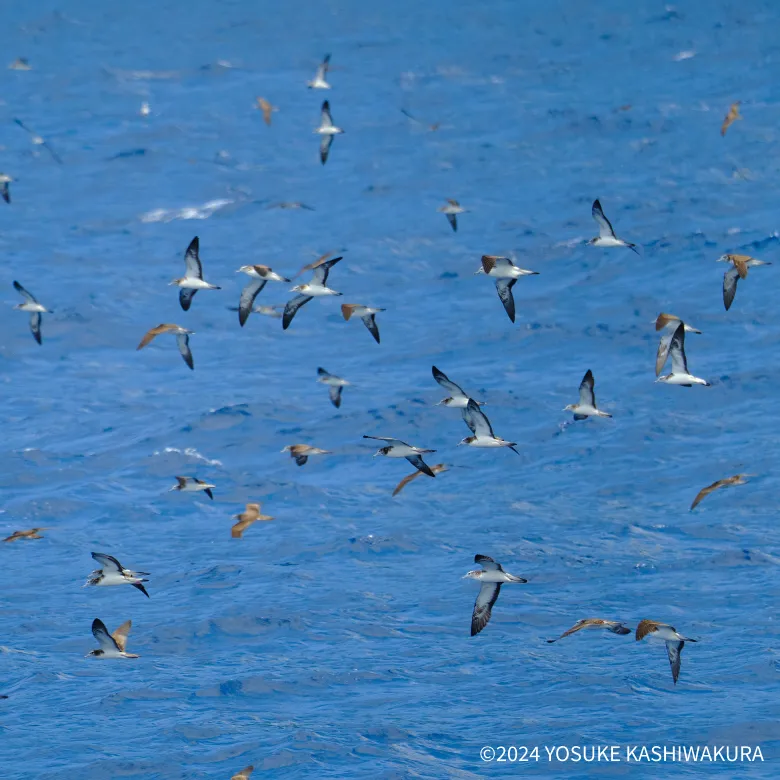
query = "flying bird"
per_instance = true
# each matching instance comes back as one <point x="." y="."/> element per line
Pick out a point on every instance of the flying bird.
<point x="606" y="236"/>
<point x="480" y="426"/>
<point x="31" y="533"/>
<point x="437" y="469"/>
<point x="266" y="108"/>
<point x="451" y="210"/>
<point x="506" y="274"/>
<point x="113" y="573"/>
<point x="680" y="374"/>
<point x="457" y="398"/>
<point x="260" y="276"/>
<point x="300" y="453"/>
<point x="610" y="625"/>
<point x="192" y="281"/>
<point x="674" y="641"/>
<point x="327" y="130"/>
<point x="193" y="485"/>
<point x="492" y="576"/>
<point x="668" y="323"/>
<point x="400" y="449"/>
<point x="35" y="309"/>
<point x="335" y="385"/>
<point x="243" y="774"/>
<point x="38" y="141"/>
<point x="319" y="80"/>
<point x="587" y="403"/>
<point x="737" y="479"/>
<point x="315" y="289"/>
<point x="366" y="314"/>
<point x="739" y="270"/>
<point x="20" y="63"/>
<point x="182" y="340"/>
<point x="732" y="116"/>
<point x="111" y="645"/>
<point x="250" y="515"/>
<point x="5" y="192"/>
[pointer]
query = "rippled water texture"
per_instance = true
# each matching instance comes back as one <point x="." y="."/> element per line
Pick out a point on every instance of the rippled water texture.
<point x="334" y="641"/>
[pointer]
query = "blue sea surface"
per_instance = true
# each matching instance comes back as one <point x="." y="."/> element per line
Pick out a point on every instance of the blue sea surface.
<point x="334" y="641"/>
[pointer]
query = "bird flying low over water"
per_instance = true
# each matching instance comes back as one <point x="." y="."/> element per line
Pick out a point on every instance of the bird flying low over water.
<point x="680" y="374"/>
<point x="113" y="573"/>
<point x="437" y="469"/>
<point x="737" y="479"/>
<point x="193" y="485"/>
<point x="111" y="645"/>
<point x="244" y="773"/>
<point x="587" y="403"/>
<point x="319" y="80"/>
<point x="192" y="281"/>
<point x="400" y="449"/>
<point x="5" y="192"/>
<point x="38" y="141"/>
<point x="732" y="116"/>
<point x="506" y="274"/>
<point x="266" y="108"/>
<point x="31" y="533"/>
<point x="457" y="398"/>
<point x="260" y="276"/>
<point x="606" y="236"/>
<point x="35" y="309"/>
<point x="182" y="340"/>
<point x="739" y="270"/>
<point x="317" y="288"/>
<point x="335" y="385"/>
<point x="327" y="130"/>
<point x="250" y="515"/>
<point x="300" y="453"/>
<point x="366" y="314"/>
<point x="610" y="625"/>
<point x="480" y="426"/>
<point x="451" y="211"/>
<point x="668" y="323"/>
<point x="674" y="641"/>
<point x="492" y="576"/>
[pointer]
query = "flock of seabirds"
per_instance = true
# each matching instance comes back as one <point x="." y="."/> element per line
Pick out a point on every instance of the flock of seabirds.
<point x="505" y="274"/>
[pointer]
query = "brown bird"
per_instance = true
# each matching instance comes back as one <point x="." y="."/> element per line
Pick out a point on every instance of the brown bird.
<point x="437" y="469"/>
<point x="739" y="270"/>
<point x="731" y="117"/>
<point x="182" y="340"/>
<point x="674" y="641"/>
<point x="610" y="625"/>
<point x="266" y="108"/>
<point x="32" y="533"/>
<point x="302" y="452"/>
<point x="243" y="774"/>
<point x="318" y="262"/>
<point x="250" y="515"/>
<point x="668" y="323"/>
<point x="737" y="479"/>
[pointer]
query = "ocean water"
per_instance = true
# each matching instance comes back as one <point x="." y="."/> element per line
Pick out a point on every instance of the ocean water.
<point x="334" y="641"/>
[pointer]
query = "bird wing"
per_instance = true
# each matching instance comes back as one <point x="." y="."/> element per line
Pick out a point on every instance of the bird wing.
<point x="391" y="441"/>
<point x="6" y="193"/>
<point x="405" y="481"/>
<point x="663" y="352"/>
<point x="35" y="325"/>
<point x="325" y="143"/>
<point x="475" y="418"/>
<point x="321" y="271"/>
<point x="674" y="649"/>
<point x="291" y="309"/>
<point x="120" y="635"/>
<point x="186" y="295"/>
<point x="370" y="322"/>
<point x="504" y="290"/>
<point x="29" y="297"/>
<point x="107" y="562"/>
<point x="241" y="526"/>
<point x="192" y="260"/>
<point x="104" y="639"/>
<point x="587" y="396"/>
<point x="483" y="606"/>
<point x="730" y="279"/>
<point x="327" y="120"/>
<point x="420" y="464"/>
<point x="677" y="351"/>
<point x="151" y="334"/>
<point x="487" y="563"/>
<point x="447" y="383"/>
<point x="605" y="226"/>
<point x="322" y="71"/>
<point x="334" y="391"/>
<point x="453" y="220"/>
<point x="183" y="341"/>
<point x="576" y="627"/>
<point x="248" y="295"/>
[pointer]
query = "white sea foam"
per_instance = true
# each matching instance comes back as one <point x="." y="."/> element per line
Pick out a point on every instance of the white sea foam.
<point x="188" y="212"/>
<point x="190" y="452"/>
